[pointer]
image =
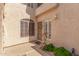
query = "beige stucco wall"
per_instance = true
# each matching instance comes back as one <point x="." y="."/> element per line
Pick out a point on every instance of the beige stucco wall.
<point x="65" y="29"/>
<point x="13" y="15"/>
<point x="1" y="27"/>
<point x="44" y="7"/>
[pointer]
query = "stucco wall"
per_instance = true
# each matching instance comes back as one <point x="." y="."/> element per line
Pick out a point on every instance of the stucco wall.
<point x="1" y="27"/>
<point x="65" y="29"/>
<point x="44" y="7"/>
<point x="13" y="15"/>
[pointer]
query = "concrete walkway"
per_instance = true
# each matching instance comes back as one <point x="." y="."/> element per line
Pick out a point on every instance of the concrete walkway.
<point x="21" y="50"/>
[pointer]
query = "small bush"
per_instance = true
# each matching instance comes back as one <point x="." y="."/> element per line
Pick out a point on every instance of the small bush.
<point x="49" y="47"/>
<point x="61" y="51"/>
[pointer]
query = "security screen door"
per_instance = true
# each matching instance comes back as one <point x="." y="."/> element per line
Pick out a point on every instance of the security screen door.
<point x="39" y="30"/>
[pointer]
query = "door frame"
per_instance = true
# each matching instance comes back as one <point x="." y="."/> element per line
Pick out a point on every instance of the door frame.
<point x="47" y="20"/>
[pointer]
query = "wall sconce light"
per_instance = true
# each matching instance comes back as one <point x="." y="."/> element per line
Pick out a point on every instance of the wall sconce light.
<point x="56" y="17"/>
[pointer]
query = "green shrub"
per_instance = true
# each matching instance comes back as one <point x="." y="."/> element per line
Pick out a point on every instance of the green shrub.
<point x="61" y="51"/>
<point x="49" y="47"/>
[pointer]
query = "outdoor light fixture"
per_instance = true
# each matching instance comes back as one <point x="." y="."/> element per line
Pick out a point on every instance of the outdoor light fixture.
<point x="56" y="17"/>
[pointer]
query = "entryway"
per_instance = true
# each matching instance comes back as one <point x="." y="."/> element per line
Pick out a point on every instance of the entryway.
<point x="40" y="31"/>
<point x="44" y="30"/>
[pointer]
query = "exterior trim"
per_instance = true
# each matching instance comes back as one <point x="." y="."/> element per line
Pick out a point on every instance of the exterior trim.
<point x="53" y="8"/>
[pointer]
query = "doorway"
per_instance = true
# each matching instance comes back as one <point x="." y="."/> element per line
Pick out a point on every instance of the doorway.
<point x="40" y="31"/>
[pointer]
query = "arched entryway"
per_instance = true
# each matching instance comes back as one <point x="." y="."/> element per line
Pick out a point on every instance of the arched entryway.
<point x="27" y="28"/>
<point x="31" y="28"/>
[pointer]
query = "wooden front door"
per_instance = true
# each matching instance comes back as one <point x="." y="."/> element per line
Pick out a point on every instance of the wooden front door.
<point x="39" y="30"/>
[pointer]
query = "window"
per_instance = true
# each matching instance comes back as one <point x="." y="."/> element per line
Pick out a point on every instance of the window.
<point x="30" y="5"/>
<point x="38" y="4"/>
<point x="50" y="29"/>
<point x="24" y="28"/>
<point x="47" y="29"/>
